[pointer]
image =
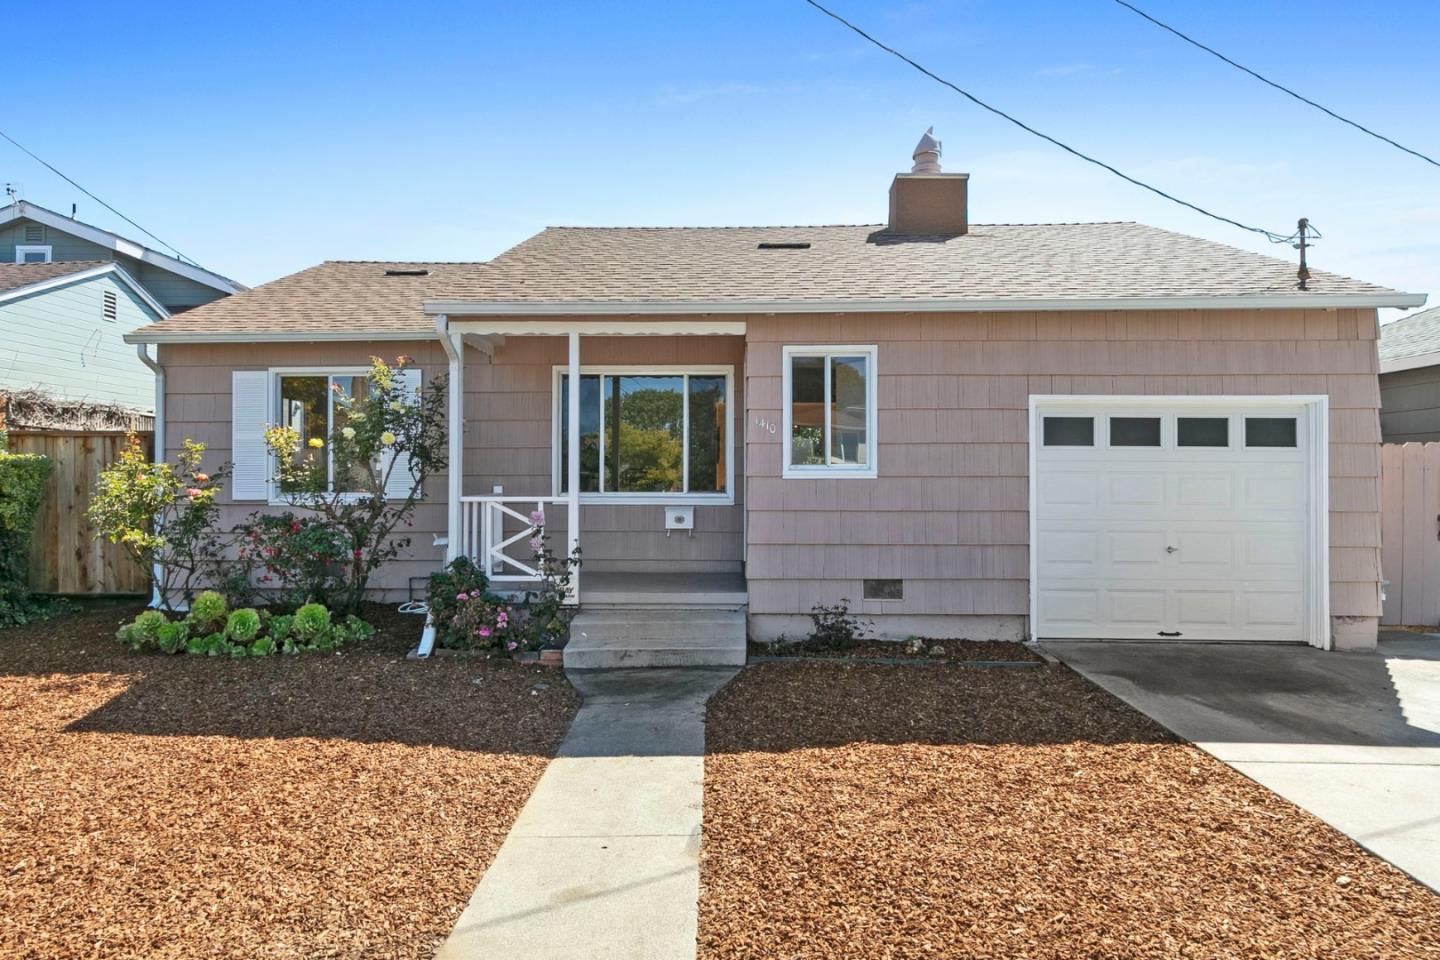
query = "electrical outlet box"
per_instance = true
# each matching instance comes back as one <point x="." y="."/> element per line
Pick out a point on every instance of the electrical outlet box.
<point x="679" y="518"/>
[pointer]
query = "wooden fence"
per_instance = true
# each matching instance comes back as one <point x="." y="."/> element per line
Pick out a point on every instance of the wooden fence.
<point x="1410" y="533"/>
<point x="66" y="556"/>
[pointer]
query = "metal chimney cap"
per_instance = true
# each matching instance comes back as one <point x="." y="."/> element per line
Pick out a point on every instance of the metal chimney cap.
<point x="927" y="154"/>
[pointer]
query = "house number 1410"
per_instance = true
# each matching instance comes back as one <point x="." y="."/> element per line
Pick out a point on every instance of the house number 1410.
<point x="764" y="424"/>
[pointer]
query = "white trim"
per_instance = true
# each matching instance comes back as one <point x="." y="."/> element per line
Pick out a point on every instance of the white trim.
<point x="1254" y="301"/>
<point x="157" y="572"/>
<point x="1413" y="362"/>
<point x="1317" y="406"/>
<point x="23" y="209"/>
<point x="618" y="327"/>
<point x="279" y="336"/>
<point x="23" y="248"/>
<point x="51" y="283"/>
<point x="643" y="499"/>
<point x="871" y="470"/>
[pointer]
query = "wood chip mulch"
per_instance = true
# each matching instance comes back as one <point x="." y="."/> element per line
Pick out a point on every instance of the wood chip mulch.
<point x="971" y="651"/>
<point x="314" y="806"/>
<point x="864" y="811"/>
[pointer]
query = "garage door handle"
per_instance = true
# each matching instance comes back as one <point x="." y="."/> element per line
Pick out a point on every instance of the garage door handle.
<point x="1167" y="633"/>
<point x="1171" y="549"/>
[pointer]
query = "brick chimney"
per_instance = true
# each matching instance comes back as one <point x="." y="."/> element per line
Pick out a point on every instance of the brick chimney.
<point x="926" y="201"/>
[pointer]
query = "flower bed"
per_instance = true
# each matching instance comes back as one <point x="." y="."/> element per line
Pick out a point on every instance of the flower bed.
<point x="210" y="628"/>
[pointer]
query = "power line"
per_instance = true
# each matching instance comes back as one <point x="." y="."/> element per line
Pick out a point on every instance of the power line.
<point x="95" y="198"/>
<point x="1270" y="235"/>
<point x="1283" y="89"/>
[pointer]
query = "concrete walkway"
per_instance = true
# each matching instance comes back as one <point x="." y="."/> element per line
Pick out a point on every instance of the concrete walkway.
<point x="603" y="861"/>
<point x="1352" y="737"/>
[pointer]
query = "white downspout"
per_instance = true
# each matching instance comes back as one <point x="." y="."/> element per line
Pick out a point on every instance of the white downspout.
<point x="455" y="473"/>
<point x="143" y="351"/>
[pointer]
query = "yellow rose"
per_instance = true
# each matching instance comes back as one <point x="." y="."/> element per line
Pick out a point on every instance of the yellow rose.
<point x="387" y="438"/>
<point x="316" y="443"/>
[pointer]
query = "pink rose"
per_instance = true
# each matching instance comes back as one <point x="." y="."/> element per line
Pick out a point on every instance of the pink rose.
<point x="193" y="492"/>
<point x="537" y="517"/>
<point x="511" y="645"/>
<point x="483" y="631"/>
<point x="461" y="596"/>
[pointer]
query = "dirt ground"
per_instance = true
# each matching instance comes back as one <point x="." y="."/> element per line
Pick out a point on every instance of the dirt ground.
<point x="857" y="810"/>
<point x="292" y="807"/>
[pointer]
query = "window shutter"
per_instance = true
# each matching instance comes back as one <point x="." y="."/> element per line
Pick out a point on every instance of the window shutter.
<point x="401" y="481"/>
<point x="249" y="417"/>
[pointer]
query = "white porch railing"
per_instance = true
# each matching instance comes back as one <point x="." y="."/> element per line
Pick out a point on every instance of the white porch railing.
<point x="507" y="557"/>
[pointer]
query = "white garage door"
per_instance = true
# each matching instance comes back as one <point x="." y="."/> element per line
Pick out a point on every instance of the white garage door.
<point x="1181" y="522"/>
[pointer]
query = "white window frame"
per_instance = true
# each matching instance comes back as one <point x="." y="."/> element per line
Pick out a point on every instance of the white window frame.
<point x="867" y="471"/>
<point x="667" y="499"/>
<point x="279" y="498"/>
<point x="23" y="248"/>
<point x="1315" y="440"/>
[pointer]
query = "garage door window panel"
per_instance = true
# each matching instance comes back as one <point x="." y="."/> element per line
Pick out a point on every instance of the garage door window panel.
<point x="1134" y="431"/>
<point x="1202" y="431"/>
<point x="1069" y="431"/>
<point x="1270" y="432"/>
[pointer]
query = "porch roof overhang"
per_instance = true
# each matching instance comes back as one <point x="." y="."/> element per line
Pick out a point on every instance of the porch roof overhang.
<point x="497" y="328"/>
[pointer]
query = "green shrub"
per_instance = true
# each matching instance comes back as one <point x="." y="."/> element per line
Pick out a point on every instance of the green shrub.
<point x="280" y="627"/>
<point x="836" y="628"/>
<point x="262" y="647"/>
<point x="144" y="632"/>
<point x="243" y="626"/>
<point x="208" y="612"/>
<point x="171" y="638"/>
<point x="312" y="623"/>
<point x="23" y="478"/>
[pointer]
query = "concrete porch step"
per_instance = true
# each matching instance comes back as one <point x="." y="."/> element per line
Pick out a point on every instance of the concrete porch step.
<point x="651" y="637"/>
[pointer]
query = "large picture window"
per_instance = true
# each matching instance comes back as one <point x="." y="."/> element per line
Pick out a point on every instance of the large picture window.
<point x="314" y="404"/>
<point x="648" y="433"/>
<point x="829" y="416"/>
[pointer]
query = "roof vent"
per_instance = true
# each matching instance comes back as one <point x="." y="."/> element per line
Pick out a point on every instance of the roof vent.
<point x="416" y="272"/>
<point x="782" y="245"/>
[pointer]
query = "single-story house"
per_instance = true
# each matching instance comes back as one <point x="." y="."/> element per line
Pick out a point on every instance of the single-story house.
<point x="1060" y="430"/>
<point x="1410" y="378"/>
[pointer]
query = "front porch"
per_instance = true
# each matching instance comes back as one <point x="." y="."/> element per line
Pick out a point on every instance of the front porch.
<point x="647" y="490"/>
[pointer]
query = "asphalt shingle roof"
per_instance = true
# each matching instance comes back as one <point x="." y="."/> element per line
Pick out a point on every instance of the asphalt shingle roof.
<point x="1009" y="261"/>
<point x="16" y="275"/>
<point x="333" y="297"/>
<point x="599" y="265"/>
<point x="1411" y="336"/>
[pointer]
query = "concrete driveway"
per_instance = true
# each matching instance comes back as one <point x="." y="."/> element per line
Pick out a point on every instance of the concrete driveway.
<point x="1352" y="737"/>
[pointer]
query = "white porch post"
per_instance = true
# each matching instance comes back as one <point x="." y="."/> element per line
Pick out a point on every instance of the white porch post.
<point x="456" y="473"/>
<point x="572" y="478"/>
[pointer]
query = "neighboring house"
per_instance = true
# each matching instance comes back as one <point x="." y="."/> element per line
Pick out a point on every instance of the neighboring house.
<point x="1410" y="378"/>
<point x="62" y="328"/>
<point x="62" y="336"/>
<point x="1056" y="430"/>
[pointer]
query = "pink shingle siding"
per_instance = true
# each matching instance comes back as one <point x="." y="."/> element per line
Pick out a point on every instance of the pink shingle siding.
<point x="948" y="513"/>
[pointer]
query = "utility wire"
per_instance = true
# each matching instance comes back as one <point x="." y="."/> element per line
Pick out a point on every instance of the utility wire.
<point x="95" y="198"/>
<point x="1270" y="235"/>
<point x="1283" y="89"/>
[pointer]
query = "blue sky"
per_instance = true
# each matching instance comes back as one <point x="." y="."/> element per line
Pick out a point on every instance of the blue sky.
<point x="261" y="138"/>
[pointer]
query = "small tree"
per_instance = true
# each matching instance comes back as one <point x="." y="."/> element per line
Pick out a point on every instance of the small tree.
<point x="163" y="514"/>
<point x="343" y="478"/>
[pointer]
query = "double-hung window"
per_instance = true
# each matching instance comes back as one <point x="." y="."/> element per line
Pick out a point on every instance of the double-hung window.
<point x="829" y="411"/>
<point x="649" y="433"/>
<point x="315" y="405"/>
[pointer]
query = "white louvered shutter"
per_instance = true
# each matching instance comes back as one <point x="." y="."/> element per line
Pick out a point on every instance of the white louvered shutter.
<point x="401" y="480"/>
<point x="249" y="416"/>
